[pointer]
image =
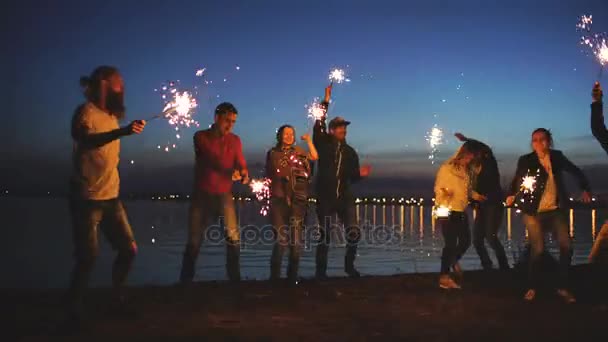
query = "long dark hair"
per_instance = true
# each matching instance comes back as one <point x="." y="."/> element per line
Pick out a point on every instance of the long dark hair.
<point x="91" y="85"/>
<point x="280" y="134"/>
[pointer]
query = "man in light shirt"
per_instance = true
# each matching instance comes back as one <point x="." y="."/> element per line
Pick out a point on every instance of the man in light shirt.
<point x="95" y="184"/>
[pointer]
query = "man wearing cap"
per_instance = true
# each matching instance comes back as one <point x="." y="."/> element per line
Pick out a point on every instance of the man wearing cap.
<point x="338" y="168"/>
<point x="598" y="128"/>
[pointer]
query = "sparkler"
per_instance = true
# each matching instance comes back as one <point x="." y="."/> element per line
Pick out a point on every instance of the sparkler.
<point x="597" y="42"/>
<point x="261" y="190"/>
<point x="442" y="212"/>
<point x="316" y="111"/>
<point x="179" y="106"/>
<point x="338" y="76"/>
<point x="528" y="185"/>
<point x="435" y="139"/>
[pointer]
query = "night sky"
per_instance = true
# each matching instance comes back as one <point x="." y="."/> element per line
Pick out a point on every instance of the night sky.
<point x="494" y="70"/>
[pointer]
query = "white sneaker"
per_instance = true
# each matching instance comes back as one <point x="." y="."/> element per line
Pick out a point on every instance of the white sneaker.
<point x="566" y="296"/>
<point x="530" y="295"/>
<point x="447" y="283"/>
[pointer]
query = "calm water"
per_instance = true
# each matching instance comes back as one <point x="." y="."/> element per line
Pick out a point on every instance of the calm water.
<point x="36" y="243"/>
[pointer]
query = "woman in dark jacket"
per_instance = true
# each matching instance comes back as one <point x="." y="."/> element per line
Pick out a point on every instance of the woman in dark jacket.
<point x="542" y="202"/>
<point x="288" y="168"/>
<point x="486" y="183"/>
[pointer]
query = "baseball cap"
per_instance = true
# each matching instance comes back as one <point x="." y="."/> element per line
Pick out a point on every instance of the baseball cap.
<point x="338" y="121"/>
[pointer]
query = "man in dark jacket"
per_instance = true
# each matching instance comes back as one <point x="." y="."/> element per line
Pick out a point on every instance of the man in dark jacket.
<point x="489" y="208"/>
<point x="598" y="128"/>
<point x="338" y="168"/>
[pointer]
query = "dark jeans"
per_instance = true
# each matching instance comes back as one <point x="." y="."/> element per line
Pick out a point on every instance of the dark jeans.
<point x="110" y="217"/>
<point x="346" y="213"/>
<point x="205" y="208"/>
<point x="486" y="227"/>
<point x="557" y="222"/>
<point x="456" y="237"/>
<point x="288" y="222"/>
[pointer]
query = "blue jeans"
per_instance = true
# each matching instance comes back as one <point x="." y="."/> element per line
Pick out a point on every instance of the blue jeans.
<point x="600" y="244"/>
<point x="288" y="223"/>
<point x="554" y="221"/>
<point x="88" y="217"/>
<point x="205" y="208"/>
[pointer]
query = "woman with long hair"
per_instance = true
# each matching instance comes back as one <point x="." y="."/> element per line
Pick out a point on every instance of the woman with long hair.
<point x="288" y="168"/>
<point x="543" y="205"/>
<point x="452" y="193"/>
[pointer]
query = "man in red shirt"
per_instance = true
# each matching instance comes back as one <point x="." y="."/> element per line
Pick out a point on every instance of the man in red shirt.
<point x="219" y="155"/>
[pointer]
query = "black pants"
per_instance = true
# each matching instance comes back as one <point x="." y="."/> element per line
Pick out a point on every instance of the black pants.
<point x="346" y="211"/>
<point x="88" y="217"/>
<point x="288" y="222"/>
<point x="486" y="227"/>
<point x="457" y="239"/>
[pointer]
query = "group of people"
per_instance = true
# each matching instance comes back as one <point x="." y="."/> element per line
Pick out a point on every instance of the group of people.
<point x="472" y="174"/>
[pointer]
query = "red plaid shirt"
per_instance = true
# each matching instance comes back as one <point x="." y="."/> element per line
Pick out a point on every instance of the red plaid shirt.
<point x="216" y="159"/>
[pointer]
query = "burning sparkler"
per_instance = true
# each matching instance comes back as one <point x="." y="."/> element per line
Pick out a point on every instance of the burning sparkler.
<point x="200" y="72"/>
<point x="435" y="139"/>
<point x="179" y="106"/>
<point x="338" y="76"/>
<point x="261" y="190"/>
<point x="442" y="212"/>
<point x="316" y="111"/>
<point x="528" y="184"/>
<point x="597" y="42"/>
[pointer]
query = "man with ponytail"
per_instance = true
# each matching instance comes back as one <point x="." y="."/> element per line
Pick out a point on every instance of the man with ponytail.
<point x="94" y="186"/>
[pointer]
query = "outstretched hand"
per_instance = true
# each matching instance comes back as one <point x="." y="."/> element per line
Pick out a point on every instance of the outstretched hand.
<point x="135" y="127"/>
<point x="597" y="92"/>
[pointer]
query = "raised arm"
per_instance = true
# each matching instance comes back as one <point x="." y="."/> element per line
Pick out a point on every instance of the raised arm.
<point x="319" y="135"/>
<point x="312" y="150"/>
<point x="598" y="127"/>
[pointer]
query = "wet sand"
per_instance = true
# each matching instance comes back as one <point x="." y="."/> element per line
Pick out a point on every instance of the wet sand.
<point x="490" y="307"/>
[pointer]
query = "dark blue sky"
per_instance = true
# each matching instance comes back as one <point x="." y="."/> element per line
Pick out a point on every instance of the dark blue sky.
<point x="518" y="64"/>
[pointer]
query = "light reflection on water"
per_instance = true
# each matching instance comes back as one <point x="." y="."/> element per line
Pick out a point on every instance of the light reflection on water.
<point x="36" y="248"/>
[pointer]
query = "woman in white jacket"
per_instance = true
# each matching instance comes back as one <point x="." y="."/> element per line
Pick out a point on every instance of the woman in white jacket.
<point x="452" y="193"/>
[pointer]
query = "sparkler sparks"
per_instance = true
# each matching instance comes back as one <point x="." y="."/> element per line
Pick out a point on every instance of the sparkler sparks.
<point x="597" y="42"/>
<point x="316" y="110"/>
<point x="442" y="212"/>
<point x="435" y="139"/>
<point x="179" y="107"/>
<point x="338" y="76"/>
<point x="261" y="190"/>
<point x="528" y="184"/>
<point x="200" y="72"/>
